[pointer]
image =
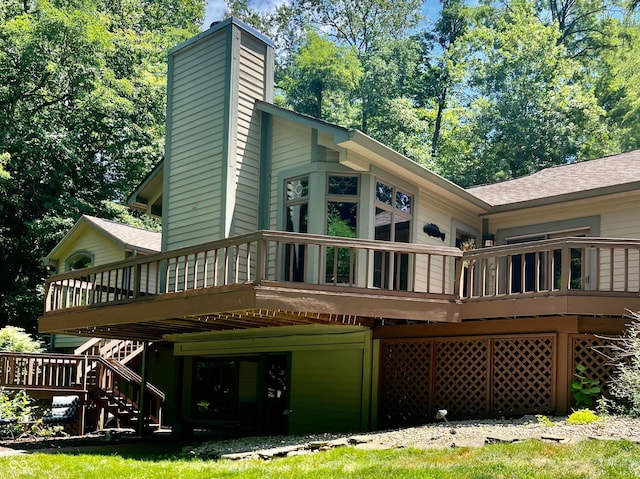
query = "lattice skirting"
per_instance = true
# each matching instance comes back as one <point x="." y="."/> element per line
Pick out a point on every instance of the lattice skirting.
<point x="469" y="377"/>
<point x="585" y="351"/>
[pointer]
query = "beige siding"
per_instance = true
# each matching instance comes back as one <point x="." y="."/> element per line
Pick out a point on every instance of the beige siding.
<point x="291" y="147"/>
<point x="103" y="249"/>
<point x="433" y="210"/>
<point x="195" y="143"/>
<point x="619" y="218"/>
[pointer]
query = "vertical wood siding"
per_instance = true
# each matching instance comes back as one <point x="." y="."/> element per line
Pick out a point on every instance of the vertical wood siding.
<point x="195" y="143"/>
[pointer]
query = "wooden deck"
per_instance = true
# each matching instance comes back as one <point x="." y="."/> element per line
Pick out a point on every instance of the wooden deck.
<point x="277" y="279"/>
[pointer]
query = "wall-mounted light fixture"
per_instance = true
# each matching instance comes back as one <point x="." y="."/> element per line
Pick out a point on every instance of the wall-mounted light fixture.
<point x="489" y="241"/>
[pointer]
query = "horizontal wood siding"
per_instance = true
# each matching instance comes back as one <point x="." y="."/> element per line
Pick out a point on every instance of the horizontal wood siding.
<point x="251" y="84"/>
<point x="103" y="248"/>
<point x="617" y="220"/>
<point x="291" y="147"/>
<point x="195" y="143"/>
<point x="432" y="210"/>
<point x="620" y="220"/>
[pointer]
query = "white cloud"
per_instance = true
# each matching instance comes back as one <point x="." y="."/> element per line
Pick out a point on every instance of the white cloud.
<point x="216" y="9"/>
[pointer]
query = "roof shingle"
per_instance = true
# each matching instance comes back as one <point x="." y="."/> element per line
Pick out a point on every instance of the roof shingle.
<point x="136" y="238"/>
<point x="557" y="181"/>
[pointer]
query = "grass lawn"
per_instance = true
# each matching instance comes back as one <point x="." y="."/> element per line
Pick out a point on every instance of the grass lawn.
<point x="530" y="459"/>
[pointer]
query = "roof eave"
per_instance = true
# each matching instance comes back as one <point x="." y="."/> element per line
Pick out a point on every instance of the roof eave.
<point x="564" y="198"/>
<point x="384" y="153"/>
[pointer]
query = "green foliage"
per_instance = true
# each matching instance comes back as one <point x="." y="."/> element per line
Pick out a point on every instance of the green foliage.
<point x="14" y="405"/>
<point x="624" y="386"/>
<point x="321" y="69"/>
<point x="528" y="459"/>
<point x="584" y="389"/>
<point x="18" y="405"/>
<point x="15" y="339"/>
<point x="4" y="175"/>
<point x="582" y="416"/>
<point x="544" y="420"/>
<point x="82" y="105"/>
<point x="530" y="107"/>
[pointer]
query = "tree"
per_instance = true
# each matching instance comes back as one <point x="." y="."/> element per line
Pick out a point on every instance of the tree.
<point x="367" y="26"/>
<point x="13" y="339"/>
<point x="443" y="71"/>
<point x="617" y="76"/>
<point x="320" y="67"/>
<point x="530" y="107"/>
<point x="81" y="121"/>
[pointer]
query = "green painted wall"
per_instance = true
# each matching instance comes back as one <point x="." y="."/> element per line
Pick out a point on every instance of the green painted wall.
<point x="326" y="391"/>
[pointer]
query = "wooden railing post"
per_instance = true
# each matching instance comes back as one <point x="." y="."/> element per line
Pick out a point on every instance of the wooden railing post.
<point x="261" y="260"/>
<point x="565" y="268"/>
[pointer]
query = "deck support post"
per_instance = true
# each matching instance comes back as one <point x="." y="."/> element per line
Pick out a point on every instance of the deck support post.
<point x="563" y="373"/>
<point x="143" y="410"/>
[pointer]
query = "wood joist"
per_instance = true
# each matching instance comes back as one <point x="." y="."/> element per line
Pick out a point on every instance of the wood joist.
<point x="232" y="320"/>
<point x="241" y="307"/>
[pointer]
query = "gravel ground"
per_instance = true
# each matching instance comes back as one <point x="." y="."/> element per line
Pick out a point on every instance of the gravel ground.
<point x="453" y="434"/>
<point x="440" y="435"/>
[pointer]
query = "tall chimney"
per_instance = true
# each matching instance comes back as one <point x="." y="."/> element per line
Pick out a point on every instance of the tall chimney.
<point x="212" y="147"/>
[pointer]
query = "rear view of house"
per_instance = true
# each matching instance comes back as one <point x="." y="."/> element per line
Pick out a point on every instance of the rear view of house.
<point x="312" y="279"/>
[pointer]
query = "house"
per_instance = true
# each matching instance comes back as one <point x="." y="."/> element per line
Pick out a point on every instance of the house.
<point x="92" y="242"/>
<point x="311" y="279"/>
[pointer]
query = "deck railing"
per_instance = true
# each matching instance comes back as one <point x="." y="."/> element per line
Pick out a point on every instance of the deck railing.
<point x="557" y="266"/>
<point x="82" y="373"/>
<point x="263" y="256"/>
<point x="44" y="371"/>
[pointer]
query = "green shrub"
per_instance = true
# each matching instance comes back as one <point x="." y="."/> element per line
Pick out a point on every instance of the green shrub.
<point x="17" y="340"/>
<point x="14" y="405"/>
<point x="583" y="388"/>
<point x="582" y="416"/>
<point x="624" y="353"/>
<point x="544" y="420"/>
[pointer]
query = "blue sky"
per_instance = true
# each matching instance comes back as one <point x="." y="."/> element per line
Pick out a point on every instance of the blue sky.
<point x="216" y="8"/>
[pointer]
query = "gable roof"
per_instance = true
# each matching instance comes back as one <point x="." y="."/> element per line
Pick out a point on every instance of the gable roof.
<point x="379" y="154"/>
<point x="147" y="196"/>
<point x="126" y="236"/>
<point x="585" y="179"/>
<point x="130" y="237"/>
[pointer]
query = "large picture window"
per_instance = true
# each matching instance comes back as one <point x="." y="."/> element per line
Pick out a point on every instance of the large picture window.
<point x="296" y="206"/>
<point x="342" y="220"/>
<point x="393" y="221"/>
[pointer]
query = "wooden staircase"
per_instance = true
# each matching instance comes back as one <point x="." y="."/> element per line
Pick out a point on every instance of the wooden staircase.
<point x="109" y="389"/>
<point x="123" y="351"/>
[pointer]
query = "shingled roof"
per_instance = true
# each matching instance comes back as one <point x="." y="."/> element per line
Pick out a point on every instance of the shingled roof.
<point x="130" y="237"/>
<point x="610" y="174"/>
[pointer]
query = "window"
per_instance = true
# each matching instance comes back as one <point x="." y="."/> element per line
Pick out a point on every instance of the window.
<point x="79" y="260"/>
<point x="547" y="269"/>
<point x="296" y="218"/>
<point x="342" y="220"/>
<point x="393" y="218"/>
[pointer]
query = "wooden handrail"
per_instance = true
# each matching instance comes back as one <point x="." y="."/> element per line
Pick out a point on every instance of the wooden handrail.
<point x="257" y="257"/>
<point x="72" y="372"/>
<point x="556" y="266"/>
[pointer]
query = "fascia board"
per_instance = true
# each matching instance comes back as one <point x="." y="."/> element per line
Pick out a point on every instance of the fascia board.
<point x="400" y="165"/>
